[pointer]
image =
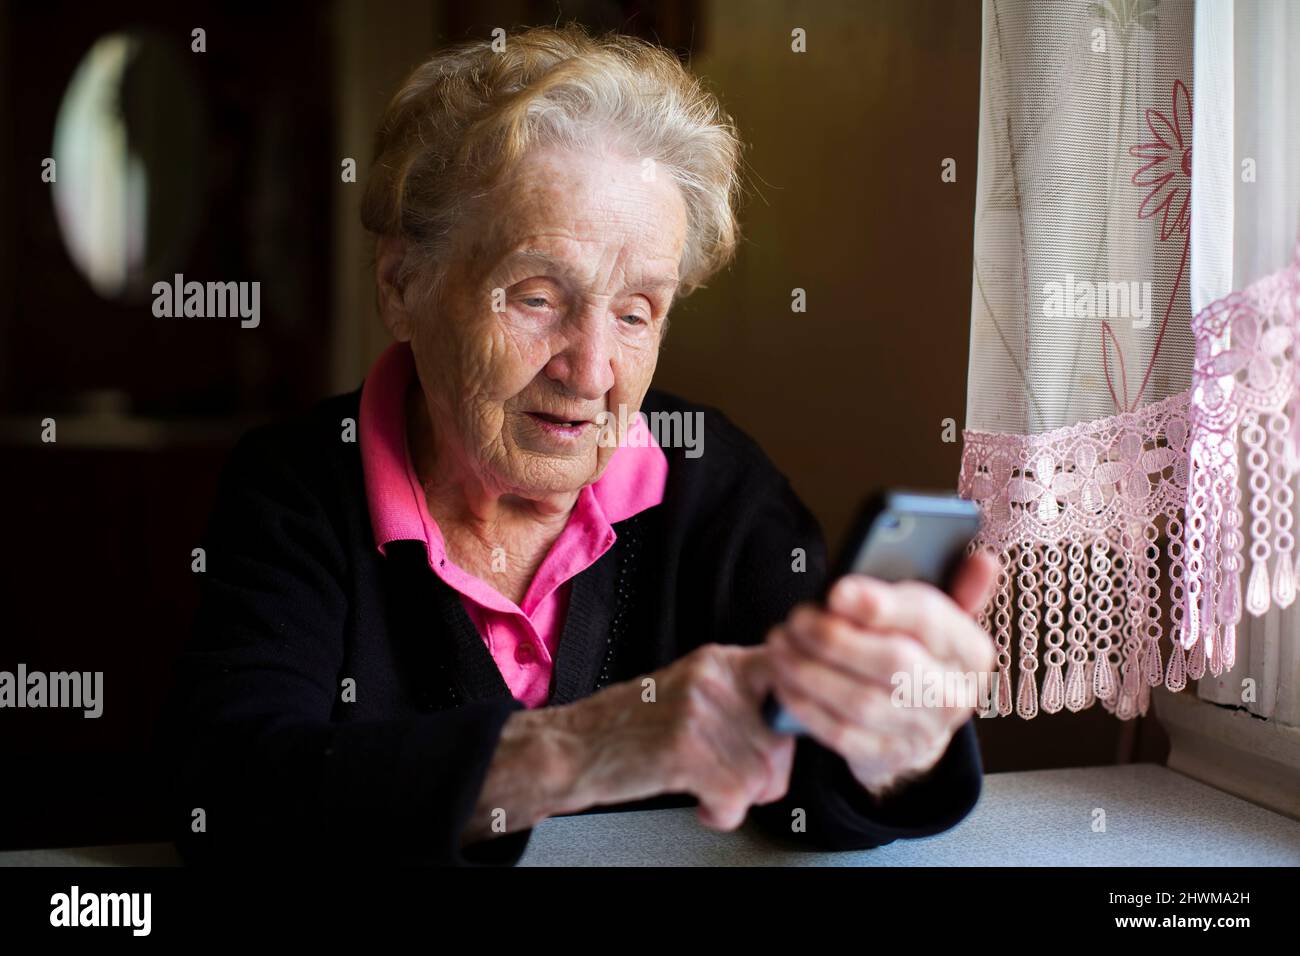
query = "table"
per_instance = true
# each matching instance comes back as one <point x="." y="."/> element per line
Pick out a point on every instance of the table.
<point x="1153" y="817"/>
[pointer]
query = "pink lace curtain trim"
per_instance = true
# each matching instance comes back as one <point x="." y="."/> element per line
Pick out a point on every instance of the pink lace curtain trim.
<point x="1074" y="516"/>
<point x="1244" y="397"/>
<point x="1103" y="550"/>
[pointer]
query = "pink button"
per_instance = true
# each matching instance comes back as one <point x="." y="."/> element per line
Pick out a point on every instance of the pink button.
<point x="524" y="653"/>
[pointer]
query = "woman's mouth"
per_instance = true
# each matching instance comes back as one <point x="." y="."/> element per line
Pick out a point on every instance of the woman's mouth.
<point x="558" y="425"/>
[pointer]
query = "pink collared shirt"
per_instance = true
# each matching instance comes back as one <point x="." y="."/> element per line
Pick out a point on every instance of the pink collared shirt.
<point x="523" y="639"/>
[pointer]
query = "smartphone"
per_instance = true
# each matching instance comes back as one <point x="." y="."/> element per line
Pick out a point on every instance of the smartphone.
<point x="898" y="535"/>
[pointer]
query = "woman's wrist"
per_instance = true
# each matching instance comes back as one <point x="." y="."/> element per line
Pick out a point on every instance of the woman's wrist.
<point x="531" y="776"/>
<point x="880" y="789"/>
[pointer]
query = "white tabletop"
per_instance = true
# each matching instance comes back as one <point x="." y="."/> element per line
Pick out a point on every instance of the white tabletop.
<point x="1153" y="817"/>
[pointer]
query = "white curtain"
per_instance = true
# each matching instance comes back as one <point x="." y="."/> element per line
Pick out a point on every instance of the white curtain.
<point x="1125" y="350"/>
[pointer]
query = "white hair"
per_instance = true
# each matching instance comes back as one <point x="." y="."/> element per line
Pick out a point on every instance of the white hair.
<point x="466" y="117"/>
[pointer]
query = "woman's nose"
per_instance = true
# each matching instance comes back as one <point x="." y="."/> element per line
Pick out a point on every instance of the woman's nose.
<point x="584" y="364"/>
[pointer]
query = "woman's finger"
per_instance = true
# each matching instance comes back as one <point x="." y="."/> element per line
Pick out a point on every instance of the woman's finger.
<point x="865" y="704"/>
<point x="972" y="585"/>
<point x="866" y="655"/>
<point x="920" y="610"/>
<point x="855" y="744"/>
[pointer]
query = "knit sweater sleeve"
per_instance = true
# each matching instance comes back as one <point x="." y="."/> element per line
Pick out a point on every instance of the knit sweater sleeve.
<point x="837" y="812"/>
<point x="257" y="768"/>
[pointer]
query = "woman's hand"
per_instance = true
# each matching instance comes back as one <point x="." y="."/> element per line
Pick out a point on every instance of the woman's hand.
<point x="701" y="734"/>
<point x="833" y="668"/>
<point x="691" y="727"/>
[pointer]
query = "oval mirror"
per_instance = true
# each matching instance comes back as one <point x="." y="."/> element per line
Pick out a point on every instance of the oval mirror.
<point x="129" y="151"/>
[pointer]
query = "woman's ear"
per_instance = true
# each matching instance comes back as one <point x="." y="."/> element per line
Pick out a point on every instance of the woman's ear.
<point x="390" y="253"/>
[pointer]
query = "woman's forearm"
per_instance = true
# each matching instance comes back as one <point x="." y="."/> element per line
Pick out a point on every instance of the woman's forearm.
<point x="531" y="777"/>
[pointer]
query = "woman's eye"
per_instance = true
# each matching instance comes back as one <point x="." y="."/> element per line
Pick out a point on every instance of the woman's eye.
<point x="633" y="318"/>
<point x="536" y="302"/>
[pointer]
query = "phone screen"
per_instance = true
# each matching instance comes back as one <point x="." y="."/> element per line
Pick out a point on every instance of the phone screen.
<point x="911" y="536"/>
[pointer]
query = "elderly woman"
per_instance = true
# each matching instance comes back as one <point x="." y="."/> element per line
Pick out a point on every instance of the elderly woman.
<point x="503" y="601"/>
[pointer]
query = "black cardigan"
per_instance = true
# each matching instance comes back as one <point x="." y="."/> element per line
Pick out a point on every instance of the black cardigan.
<point x="296" y="598"/>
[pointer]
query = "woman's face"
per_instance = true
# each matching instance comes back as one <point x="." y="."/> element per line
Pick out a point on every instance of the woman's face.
<point x="551" y="313"/>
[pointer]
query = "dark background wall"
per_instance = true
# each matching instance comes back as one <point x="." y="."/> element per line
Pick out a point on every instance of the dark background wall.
<point x="845" y="202"/>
